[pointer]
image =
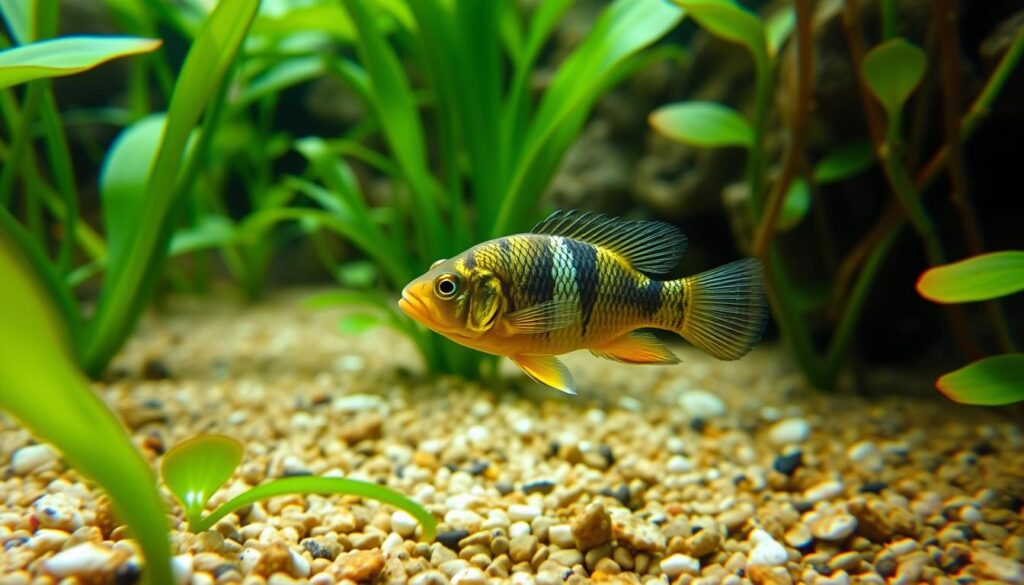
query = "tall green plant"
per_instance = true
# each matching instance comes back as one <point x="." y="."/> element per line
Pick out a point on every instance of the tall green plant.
<point x="497" y="147"/>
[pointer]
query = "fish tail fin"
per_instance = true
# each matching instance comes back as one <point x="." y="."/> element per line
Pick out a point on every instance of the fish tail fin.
<point x="725" y="311"/>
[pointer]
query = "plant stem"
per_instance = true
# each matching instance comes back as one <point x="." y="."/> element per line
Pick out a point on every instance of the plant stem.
<point x="64" y="175"/>
<point x="944" y="16"/>
<point x="801" y="109"/>
<point x="21" y="138"/>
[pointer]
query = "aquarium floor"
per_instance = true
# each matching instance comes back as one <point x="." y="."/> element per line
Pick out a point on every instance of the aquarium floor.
<point x="705" y="472"/>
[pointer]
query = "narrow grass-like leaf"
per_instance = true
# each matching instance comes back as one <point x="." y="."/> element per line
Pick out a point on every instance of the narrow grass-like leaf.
<point x="892" y="71"/>
<point x="706" y="124"/>
<point x="66" y="56"/>
<point x="730" y="21"/>
<point x="196" y="468"/>
<point x="325" y="17"/>
<point x="37" y="372"/>
<point x="795" y="205"/>
<point x="844" y="162"/>
<point x="131" y="276"/>
<point x="325" y="485"/>
<point x="778" y="28"/>
<point x="20" y="18"/>
<point x="993" y="381"/>
<point x="210" y="231"/>
<point x="286" y="74"/>
<point x="979" y="278"/>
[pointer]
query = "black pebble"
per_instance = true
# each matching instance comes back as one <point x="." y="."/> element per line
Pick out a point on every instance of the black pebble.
<point x="606" y="452"/>
<point x="296" y="473"/>
<point x="553" y="448"/>
<point x="873" y="487"/>
<point x="127" y="574"/>
<point x="540" y="486"/>
<point x="156" y="369"/>
<point x="317" y="550"/>
<point x="787" y="464"/>
<point x="886" y="566"/>
<point x="620" y="493"/>
<point x="477" y="467"/>
<point x="698" y="425"/>
<point x="451" y="538"/>
<point x="983" y="448"/>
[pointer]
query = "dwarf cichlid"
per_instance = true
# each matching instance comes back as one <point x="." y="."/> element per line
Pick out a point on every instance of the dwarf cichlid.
<point x="587" y="281"/>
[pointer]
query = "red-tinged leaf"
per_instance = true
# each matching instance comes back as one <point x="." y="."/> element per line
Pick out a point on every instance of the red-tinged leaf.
<point x="992" y="381"/>
<point x="979" y="278"/>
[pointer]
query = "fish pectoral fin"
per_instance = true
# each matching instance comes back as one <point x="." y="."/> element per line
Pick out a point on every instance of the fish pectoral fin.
<point x="637" y="347"/>
<point x="547" y="370"/>
<point x="542" y="317"/>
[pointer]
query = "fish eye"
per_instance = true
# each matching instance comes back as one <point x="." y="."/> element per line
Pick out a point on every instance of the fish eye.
<point x="446" y="286"/>
<point x="437" y="263"/>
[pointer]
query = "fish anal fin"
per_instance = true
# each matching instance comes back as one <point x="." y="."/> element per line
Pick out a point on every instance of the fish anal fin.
<point x="547" y="370"/>
<point x="637" y="347"/>
<point x="652" y="247"/>
<point x="542" y="317"/>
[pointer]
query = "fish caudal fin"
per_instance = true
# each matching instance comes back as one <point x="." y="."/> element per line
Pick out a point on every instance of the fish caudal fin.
<point x="547" y="370"/>
<point x="726" y="311"/>
<point x="638" y="347"/>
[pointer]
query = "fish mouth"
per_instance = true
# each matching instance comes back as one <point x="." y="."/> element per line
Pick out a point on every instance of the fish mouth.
<point x="413" y="307"/>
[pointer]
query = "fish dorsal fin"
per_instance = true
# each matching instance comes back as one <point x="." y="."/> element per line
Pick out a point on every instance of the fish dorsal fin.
<point x="542" y="317"/>
<point x="652" y="247"/>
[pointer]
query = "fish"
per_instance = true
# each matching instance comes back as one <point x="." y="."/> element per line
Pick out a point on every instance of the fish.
<point x="585" y="280"/>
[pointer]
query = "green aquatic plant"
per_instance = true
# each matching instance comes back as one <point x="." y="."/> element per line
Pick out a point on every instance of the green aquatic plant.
<point x="196" y="468"/>
<point x="889" y="74"/>
<point x="994" y="380"/>
<point x="496" y="147"/>
<point x="43" y="388"/>
<point x="142" y="197"/>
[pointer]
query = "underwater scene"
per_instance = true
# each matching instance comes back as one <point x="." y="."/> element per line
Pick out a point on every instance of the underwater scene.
<point x="468" y="292"/>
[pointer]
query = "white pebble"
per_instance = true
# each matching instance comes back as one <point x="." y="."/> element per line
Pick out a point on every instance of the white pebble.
<point x="299" y="563"/>
<point x="838" y="578"/>
<point x="402" y="523"/>
<point x="181" y="568"/>
<point x="463" y="519"/>
<point x="523" y="579"/>
<point x="520" y="512"/>
<point x="825" y="490"/>
<point x="47" y="539"/>
<point x="971" y="515"/>
<point x="518" y="529"/>
<point x="678" y="464"/>
<point x="790" y="430"/>
<point x="31" y="457"/>
<point x="323" y="578"/>
<point x="357" y="403"/>
<point x="701" y="404"/>
<point x="393" y="546"/>
<point x="469" y="576"/>
<point x="561" y="535"/>
<point x="767" y="551"/>
<point x="677" y="564"/>
<point x="81" y="560"/>
<point x="478" y="434"/>
<point x="834" y="527"/>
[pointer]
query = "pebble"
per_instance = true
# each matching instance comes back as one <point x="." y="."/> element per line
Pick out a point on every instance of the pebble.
<point x="561" y="535"/>
<point x="469" y="576"/>
<point x="592" y="528"/>
<point x="679" y="564"/>
<point x="522" y="548"/>
<point x="834" y="527"/>
<point x="523" y="513"/>
<point x="767" y="551"/>
<point x="678" y="464"/>
<point x="825" y="490"/>
<point x="999" y="568"/>
<point x="539" y="486"/>
<point x="83" y="560"/>
<point x="451" y="538"/>
<point x="403" y="523"/>
<point x="31" y="457"/>
<point x="787" y="463"/>
<point x="701" y="404"/>
<point x="790" y="430"/>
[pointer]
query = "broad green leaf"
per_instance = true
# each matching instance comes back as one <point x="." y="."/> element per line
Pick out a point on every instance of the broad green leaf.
<point x="795" y="205"/>
<point x="844" y="162"/>
<point x="196" y="468"/>
<point x="979" y="278"/>
<point x="356" y="323"/>
<point x="892" y="71"/>
<point x="730" y="21"/>
<point x="358" y="274"/>
<point x="778" y="27"/>
<point x="132" y="275"/>
<point x="992" y="381"/>
<point x="706" y="124"/>
<point x="20" y="16"/>
<point x="41" y="387"/>
<point x="66" y="56"/>
<point x="327" y="17"/>
<point x="211" y="231"/>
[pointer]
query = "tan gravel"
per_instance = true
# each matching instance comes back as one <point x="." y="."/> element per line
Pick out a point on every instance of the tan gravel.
<point x="702" y="473"/>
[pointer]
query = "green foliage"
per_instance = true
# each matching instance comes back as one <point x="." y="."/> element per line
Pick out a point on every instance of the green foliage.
<point x="37" y="373"/>
<point x="844" y="162"/>
<point x="196" y="468"/>
<point x="66" y="56"/>
<point x="992" y="381"/>
<point x="979" y="278"/>
<point x="705" y="124"/>
<point x="892" y="71"/>
<point x="728" y="20"/>
<point x="795" y="206"/>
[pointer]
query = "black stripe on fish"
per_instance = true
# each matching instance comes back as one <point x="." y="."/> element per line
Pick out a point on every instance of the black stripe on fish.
<point x="584" y="258"/>
<point x="470" y="260"/>
<point x="540" y="283"/>
<point x="650" y="298"/>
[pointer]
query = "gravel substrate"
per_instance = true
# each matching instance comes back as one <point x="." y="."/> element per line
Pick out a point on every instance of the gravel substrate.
<point x="706" y="472"/>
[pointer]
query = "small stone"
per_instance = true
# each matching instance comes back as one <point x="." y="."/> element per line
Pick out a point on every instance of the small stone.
<point x="764" y="575"/>
<point x="790" y="430"/>
<point x="59" y="511"/>
<point x="678" y="464"/>
<point x="561" y="535"/>
<point x="453" y="567"/>
<point x="181" y="568"/>
<point x="522" y="548"/>
<point x="518" y="529"/>
<point x="539" y="486"/>
<point x="834" y="527"/>
<point x="430" y="577"/>
<point x="85" y="560"/>
<point x="640" y="535"/>
<point x="522" y="512"/>
<point x="799" y="536"/>
<point x="567" y="557"/>
<point x="679" y="564"/>
<point x="451" y="538"/>
<point x="787" y="463"/>
<point x="360" y="565"/>
<point x="31" y="457"/>
<point x="469" y="576"/>
<point x="971" y="515"/>
<point x="403" y="523"/>
<point x="47" y="540"/>
<point x="704" y="542"/>
<point x="767" y="551"/>
<point x="701" y="404"/>
<point x="274" y="558"/>
<point x="825" y="490"/>
<point x="592" y="528"/>
<point x="999" y="568"/>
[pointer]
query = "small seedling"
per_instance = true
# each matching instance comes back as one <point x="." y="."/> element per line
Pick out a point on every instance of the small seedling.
<point x="196" y="468"/>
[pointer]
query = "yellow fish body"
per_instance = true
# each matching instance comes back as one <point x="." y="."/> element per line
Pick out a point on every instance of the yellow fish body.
<point x="585" y="281"/>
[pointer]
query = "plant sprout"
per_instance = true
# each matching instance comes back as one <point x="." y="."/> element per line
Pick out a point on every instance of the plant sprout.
<point x="196" y="468"/>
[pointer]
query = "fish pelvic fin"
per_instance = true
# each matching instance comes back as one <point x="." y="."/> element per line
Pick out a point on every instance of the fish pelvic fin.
<point x="547" y="370"/>
<point x="638" y="347"/>
<point x="725" y="310"/>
